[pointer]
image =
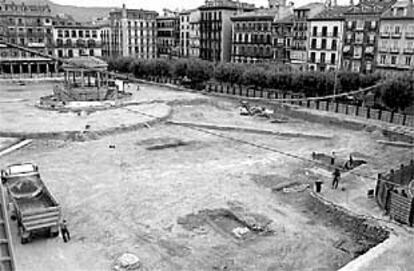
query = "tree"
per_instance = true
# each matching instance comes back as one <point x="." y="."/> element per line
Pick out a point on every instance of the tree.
<point x="179" y="68"/>
<point x="199" y="71"/>
<point x="397" y="93"/>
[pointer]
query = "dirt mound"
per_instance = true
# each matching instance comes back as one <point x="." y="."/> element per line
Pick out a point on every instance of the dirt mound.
<point x="235" y="223"/>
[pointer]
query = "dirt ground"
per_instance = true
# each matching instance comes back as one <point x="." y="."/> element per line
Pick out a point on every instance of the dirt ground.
<point x="129" y="197"/>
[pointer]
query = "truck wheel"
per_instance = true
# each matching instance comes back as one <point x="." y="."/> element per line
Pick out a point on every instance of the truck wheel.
<point x="24" y="240"/>
<point x="53" y="233"/>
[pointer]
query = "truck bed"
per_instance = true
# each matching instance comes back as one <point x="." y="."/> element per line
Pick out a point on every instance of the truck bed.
<point x="40" y="202"/>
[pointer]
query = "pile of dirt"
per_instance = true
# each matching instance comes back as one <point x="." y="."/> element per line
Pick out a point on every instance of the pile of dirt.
<point x="236" y="223"/>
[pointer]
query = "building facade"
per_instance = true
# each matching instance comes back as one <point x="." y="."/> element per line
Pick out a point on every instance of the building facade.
<point x="396" y="39"/>
<point x="298" y="53"/>
<point x="133" y="33"/>
<point x="28" y="26"/>
<point x="325" y="39"/>
<point x="185" y="33"/>
<point x="252" y="36"/>
<point x="282" y="38"/>
<point x="216" y="28"/>
<point x="77" y="40"/>
<point x="361" y="34"/>
<point x="168" y="36"/>
<point x="194" y="47"/>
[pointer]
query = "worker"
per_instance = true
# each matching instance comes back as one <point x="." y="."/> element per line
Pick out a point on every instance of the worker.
<point x="351" y="160"/>
<point x="64" y="231"/>
<point x="333" y="158"/>
<point x="337" y="175"/>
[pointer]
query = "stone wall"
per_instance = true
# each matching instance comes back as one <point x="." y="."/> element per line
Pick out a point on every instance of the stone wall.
<point x="364" y="227"/>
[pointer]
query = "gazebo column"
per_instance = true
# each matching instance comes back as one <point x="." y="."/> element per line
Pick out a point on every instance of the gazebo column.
<point x="74" y="77"/>
<point x="47" y="69"/>
<point x="56" y="67"/>
<point x="83" y="79"/>
<point x="89" y="79"/>
<point x="29" y="66"/>
<point x="11" y="69"/>
<point x="20" y="70"/>
<point x="98" y="78"/>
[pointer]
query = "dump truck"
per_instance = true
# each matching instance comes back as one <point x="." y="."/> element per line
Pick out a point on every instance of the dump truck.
<point x="30" y="202"/>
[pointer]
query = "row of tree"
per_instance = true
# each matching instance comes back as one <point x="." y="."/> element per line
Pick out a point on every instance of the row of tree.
<point x="396" y="93"/>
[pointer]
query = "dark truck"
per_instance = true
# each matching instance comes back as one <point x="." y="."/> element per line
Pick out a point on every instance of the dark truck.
<point x="30" y="203"/>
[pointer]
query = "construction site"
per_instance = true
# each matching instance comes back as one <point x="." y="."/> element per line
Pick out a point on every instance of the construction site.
<point x="179" y="180"/>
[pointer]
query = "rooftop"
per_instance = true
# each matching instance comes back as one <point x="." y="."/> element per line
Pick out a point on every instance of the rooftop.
<point x="226" y="4"/>
<point x="402" y="9"/>
<point x="311" y="6"/>
<point x="370" y="7"/>
<point x="331" y="13"/>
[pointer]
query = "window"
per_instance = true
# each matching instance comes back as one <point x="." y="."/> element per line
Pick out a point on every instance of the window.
<point x="313" y="44"/>
<point x="357" y="52"/>
<point x="368" y="66"/>
<point x="324" y="31"/>
<point x="360" y="24"/>
<point x="91" y="52"/>
<point x="373" y="24"/>
<point x="323" y="57"/>
<point x="333" y="59"/>
<point x="323" y="45"/>
<point x="315" y="31"/>
<point x="94" y="34"/>
<point x="393" y="60"/>
<point x="73" y="34"/>
<point x="397" y="29"/>
<point x="335" y="31"/>
<point x="66" y="33"/>
<point x="408" y="60"/>
<point x="333" y="46"/>
<point x="313" y="57"/>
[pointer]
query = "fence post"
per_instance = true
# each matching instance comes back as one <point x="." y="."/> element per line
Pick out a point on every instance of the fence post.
<point x="404" y="119"/>
<point x="356" y="110"/>
<point x="380" y="114"/>
<point x="392" y="117"/>
<point x="336" y="107"/>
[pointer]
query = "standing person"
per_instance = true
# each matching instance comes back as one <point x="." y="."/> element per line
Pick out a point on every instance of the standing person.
<point x="337" y="175"/>
<point x="64" y="231"/>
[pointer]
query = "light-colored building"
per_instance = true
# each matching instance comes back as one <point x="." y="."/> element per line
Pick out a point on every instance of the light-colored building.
<point x="298" y="53"/>
<point x="216" y="28"/>
<point x="194" y="47"/>
<point x="326" y="31"/>
<point x="77" y="40"/>
<point x="29" y="26"/>
<point x="361" y="34"/>
<point x="396" y="39"/>
<point x="185" y="33"/>
<point x="133" y="33"/>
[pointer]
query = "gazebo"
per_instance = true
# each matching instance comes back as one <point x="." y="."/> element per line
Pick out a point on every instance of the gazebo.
<point x="76" y="70"/>
<point x="85" y="80"/>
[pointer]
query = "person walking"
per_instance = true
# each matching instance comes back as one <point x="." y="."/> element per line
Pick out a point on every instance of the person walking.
<point x="64" y="231"/>
<point x="337" y="175"/>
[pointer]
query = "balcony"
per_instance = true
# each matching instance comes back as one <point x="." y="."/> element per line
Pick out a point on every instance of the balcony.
<point x="409" y="35"/>
<point x="359" y="41"/>
<point x="385" y="34"/>
<point x="395" y="50"/>
<point x="383" y="50"/>
<point x="408" y="50"/>
<point x="36" y="44"/>
<point x="396" y="35"/>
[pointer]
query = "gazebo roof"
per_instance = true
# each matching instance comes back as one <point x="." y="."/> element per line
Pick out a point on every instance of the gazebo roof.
<point x="84" y="62"/>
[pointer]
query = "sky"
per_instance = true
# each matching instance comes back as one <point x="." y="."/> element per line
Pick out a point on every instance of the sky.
<point x="157" y="5"/>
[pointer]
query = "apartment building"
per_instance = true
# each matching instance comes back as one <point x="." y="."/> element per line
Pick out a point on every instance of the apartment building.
<point x="282" y="37"/>
<point x="299" y="50"/>
<point x="168" y="36"/>
<point x="326" y="31"/>
<point x="194" y="46"/>
<point x="133" y="33"/>
<point x="396" y="39"/>
<point x="252" y="36"/>
<point x="216" y="28"/>
<point x="361" y="34"/>
<point x="77" y="40"/>
<point x="29" y="26"/>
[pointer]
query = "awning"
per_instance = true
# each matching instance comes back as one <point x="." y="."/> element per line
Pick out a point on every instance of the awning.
<point x="347" y="48"/>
